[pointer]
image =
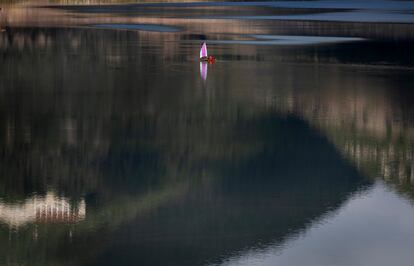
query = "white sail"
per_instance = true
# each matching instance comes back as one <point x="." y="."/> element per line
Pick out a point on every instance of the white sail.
<point x="203" y="50"/>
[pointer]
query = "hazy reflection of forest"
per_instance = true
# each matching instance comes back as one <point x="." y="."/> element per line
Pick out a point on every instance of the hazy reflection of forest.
<point x="122" y="120"/>
<point x="361" y="104"/>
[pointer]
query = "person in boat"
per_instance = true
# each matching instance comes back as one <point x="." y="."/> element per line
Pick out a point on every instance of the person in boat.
<point x="203" y="54"/>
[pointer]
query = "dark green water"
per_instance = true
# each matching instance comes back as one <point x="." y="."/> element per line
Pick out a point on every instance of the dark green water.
<point x="114" y="150"/>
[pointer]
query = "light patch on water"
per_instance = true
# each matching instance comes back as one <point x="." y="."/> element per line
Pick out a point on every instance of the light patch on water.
<point x="351" y="16"/>
<point x="287" y="40"/>
<point x="374" y="228"/>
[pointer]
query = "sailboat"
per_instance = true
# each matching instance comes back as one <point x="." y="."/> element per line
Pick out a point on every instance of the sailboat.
<point x="203" y="54"/>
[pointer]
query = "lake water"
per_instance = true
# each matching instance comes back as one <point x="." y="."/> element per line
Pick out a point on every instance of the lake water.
<point x="118" y="147"/>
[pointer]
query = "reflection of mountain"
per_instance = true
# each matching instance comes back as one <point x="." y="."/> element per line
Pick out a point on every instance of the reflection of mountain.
<point x="250" y="202"/>
<point x="231" y="203"/>
<point x="170" y="170"/>
<point x="368" y="121"/>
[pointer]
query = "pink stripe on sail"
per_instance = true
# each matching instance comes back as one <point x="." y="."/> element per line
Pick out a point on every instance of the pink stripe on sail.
<point x="203" y="51"/>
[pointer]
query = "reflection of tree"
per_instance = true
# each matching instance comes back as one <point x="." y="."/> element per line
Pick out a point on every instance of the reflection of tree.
<point x="369" y="121"/>
<point x="68" y="129"/>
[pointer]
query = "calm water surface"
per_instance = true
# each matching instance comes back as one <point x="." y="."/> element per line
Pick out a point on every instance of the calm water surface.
<point x="118" y="147"/>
